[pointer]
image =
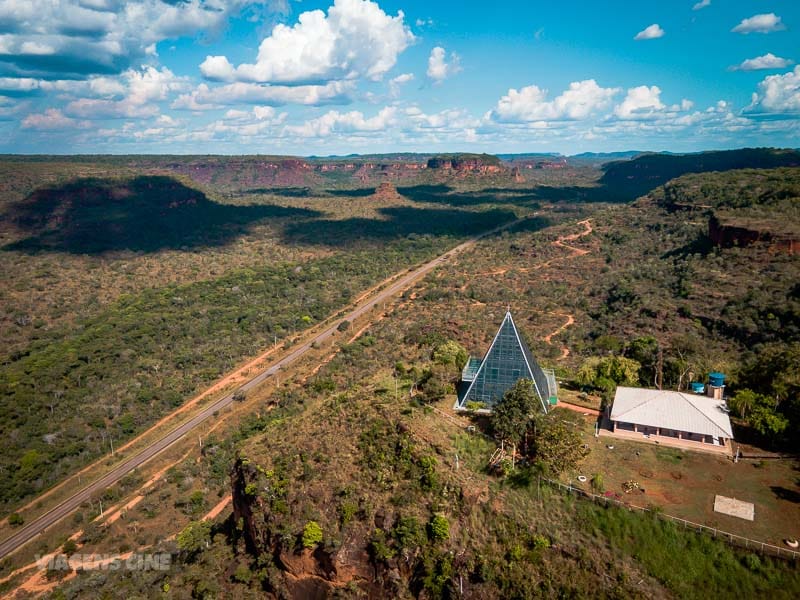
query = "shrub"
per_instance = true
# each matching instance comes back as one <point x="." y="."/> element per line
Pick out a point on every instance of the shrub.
<point x="379" y="546"/>
<point x="69" y="547"/>
<point x="439" y="528"/>
<point x="197" y="500"/>
<point x="195" y="536"/>
<point x="15" y="519"/>
<point x="409" y="533"/>
<point x="347" y="510"/>
<point x="343" y="326"/>
<point x="312" y="534"/>
<point x="597" y="483"/>
<point x="243" y="574"/>
<point x="540" y="542"/>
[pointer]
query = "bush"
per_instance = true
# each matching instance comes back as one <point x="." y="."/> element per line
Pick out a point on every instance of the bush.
<point x="194" y="537"/>
<point x="343" y="326"/>
<point x="379" y="546"/>
<point x="597" y="483"/>
<point x="439" y="528"/>
<point x="69" y="547"/>
<point x="243" y="574"/>
<point x="15" y="519"/>
<point x="312" y="534"/>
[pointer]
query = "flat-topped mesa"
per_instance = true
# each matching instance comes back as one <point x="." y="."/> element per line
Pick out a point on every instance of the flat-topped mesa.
<point x="467" y="163"/>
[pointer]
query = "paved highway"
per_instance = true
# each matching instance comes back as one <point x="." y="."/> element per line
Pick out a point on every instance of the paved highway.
<point x="38" y="525"/>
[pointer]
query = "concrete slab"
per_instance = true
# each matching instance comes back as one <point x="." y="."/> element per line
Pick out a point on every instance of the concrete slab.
<point x="735" y="508"/>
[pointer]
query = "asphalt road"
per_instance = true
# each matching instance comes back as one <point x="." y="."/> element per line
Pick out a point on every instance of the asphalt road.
<point x="38" y="525"/>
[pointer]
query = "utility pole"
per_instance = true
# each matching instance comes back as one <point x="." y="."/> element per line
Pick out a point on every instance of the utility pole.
<point x="660" y="367"/>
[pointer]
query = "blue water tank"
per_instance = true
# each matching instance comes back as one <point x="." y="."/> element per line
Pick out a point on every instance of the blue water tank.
<point x="698" y="387"/>
<point x="716" y="379"/>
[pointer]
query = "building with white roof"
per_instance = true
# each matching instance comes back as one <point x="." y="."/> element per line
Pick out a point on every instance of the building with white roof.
<point x="672" y="418"/>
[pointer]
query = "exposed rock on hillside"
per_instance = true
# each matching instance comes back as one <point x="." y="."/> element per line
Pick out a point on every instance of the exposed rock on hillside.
<point x="386" y="192"/>
<point x="733" y="230"/>
<point x="467" y="163"/>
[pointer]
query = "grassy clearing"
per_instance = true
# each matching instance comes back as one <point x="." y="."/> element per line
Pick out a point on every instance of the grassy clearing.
<point x="691" y="565"/>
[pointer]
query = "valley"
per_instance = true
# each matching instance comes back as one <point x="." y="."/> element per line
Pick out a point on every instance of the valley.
<point x="340" y="289"/>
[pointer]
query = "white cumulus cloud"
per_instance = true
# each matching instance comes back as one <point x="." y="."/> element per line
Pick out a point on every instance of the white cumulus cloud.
<point x="349" y="122"/>
<point x="141" y="90"/>
<point x="205" y="97"/>
<point x="763" y="23"/>
<point x="355" y="39"/>
<point x="767" y="61"/>
<point x="50" y="120"/>
<point x="438" y="67"/>
<point x="701" y="4"/>
<point x="85" y="37"/>
<point x="396" y="82"/>
<point x="777" y="94"/>
<point x="530" y="104"/>
<point x="651" y="32"/>
<point x="641" y="102"/>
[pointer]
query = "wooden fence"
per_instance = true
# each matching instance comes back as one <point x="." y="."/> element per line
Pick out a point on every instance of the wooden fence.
<point x="731" y="538"/>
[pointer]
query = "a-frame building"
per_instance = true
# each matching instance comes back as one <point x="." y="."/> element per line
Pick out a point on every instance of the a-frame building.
<point x="507" y="360"/>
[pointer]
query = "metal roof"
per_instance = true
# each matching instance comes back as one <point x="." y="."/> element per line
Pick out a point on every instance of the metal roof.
<point x="679" y="411"/>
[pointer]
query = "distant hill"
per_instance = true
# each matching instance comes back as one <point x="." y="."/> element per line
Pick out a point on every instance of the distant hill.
<point x="145" y="213"/>
<point x="611" y="155"/>
<point x="632" y="178"/>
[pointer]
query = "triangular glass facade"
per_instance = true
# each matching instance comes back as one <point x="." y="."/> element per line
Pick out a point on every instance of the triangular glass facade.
<point x="507" y="361"/>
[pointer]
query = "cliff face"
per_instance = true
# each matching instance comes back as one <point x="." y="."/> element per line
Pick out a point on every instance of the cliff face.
<point x="727" y="234"/>
<point x="469" y="164"/>
<point x="260" y="510"/>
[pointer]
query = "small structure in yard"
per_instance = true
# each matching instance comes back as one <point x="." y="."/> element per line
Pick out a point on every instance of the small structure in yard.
<point x="716" y="386"/>
<point x="671" y="418"/>
<point x="735" y="508"/>
<point x="507" y="360"/>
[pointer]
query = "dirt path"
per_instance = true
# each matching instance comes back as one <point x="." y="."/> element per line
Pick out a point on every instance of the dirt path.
<point x="580" y="409"/>
<point x="560" y="242"/>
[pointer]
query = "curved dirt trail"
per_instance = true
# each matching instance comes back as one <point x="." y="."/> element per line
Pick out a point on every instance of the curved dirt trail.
<point x="561" y="243"/>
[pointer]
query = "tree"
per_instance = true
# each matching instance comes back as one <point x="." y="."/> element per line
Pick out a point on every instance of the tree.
<point x="512" y="415"/>
<point x="69" y="547"/>
<point x="558" y="445"/>
<point x="451" y="353"/>
<point x="767" y="422"/>
<point x="743" y="402"/>
<point x="312" y="534"/>
<point x="15" y="519"/>
<point x="644" y="350"/>
<point x="434" y="385"/>
<point x="618" y="369"/>
<point x="194" y="537"/>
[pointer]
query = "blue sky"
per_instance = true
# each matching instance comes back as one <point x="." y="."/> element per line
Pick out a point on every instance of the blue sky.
<point x="344" y="76"/>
